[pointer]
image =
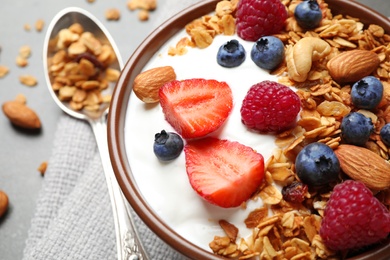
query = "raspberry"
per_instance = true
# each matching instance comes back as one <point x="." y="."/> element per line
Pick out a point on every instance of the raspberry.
<point x="270" y="107"/>
<point x="353" y="218"/>
<point x="257" y="18"/>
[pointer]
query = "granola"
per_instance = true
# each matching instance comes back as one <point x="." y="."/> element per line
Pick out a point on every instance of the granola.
<point x="80" y="68"/>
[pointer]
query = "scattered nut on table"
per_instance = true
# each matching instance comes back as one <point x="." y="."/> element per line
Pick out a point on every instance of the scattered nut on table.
<point x="3" y="203"/>
<point x="20" y="114"/>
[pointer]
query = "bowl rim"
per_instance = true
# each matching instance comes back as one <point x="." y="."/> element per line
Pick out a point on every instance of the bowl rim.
<point x="118" y="106"/>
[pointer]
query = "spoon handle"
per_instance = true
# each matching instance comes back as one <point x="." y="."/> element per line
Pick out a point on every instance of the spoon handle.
<point x="129" y="245"/>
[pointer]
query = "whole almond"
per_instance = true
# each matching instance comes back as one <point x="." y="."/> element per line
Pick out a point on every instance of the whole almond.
<point x="351" y="66"/>
<point x="21" y="115"/>
<point x="147" y="84"/>
<point x="364" y="165"/>
<point x="3" y="203"/>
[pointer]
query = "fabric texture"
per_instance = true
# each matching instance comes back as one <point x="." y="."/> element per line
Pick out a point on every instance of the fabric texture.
<point x="73" y="218"/>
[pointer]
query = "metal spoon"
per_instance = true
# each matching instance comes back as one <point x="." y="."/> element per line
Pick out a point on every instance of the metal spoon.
<point x="129" y="245"/>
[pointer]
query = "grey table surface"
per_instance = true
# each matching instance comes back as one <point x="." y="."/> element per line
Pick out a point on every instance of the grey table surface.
<point x="21" y="152"/>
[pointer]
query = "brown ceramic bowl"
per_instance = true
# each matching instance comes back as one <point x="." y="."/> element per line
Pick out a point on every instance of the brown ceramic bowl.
<point x="121" y="98"/>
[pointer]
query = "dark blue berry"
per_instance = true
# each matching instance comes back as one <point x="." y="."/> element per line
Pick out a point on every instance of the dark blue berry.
<point x="385" y="134"/>
<point x="356" y="129"/>
<point x="167" y="145"/>
<point x="231" y="54"/>
<point x="367" y="93"/>
<point x="268" y="52"/>
<point x="308" y="14"/>
<point x="317" y="165"/>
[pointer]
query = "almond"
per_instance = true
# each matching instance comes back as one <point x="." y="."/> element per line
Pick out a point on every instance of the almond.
<point x="3" y="203"/>
<point x="351" y="66"/>
<point x="147" y="84"/>
<point x="364" y="165"/>
<point x="21" y="115"/>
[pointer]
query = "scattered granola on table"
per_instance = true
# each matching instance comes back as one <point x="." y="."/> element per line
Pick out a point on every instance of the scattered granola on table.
<point x="112" y="14"/>
<point x="28" y="80"/>
<point x="42" y="168"/>
<point x="3" y="71"/>
<point x="39" y="24"/>
<point x="144" y="7"/>
<point x="24" y="54"/>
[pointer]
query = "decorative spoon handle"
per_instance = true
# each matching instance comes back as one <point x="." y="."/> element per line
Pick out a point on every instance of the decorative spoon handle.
<point x="129" y="245"/>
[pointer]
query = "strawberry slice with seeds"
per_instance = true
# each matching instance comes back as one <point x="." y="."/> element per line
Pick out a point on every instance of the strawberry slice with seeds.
<point x="223" y="172"/>
<point x="196" y="107"/>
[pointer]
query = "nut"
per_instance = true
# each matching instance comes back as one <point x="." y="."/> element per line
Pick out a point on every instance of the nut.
<point x="148" y="83"/>
<point x="300" y="57"/>
<point x="364" y="165"/>
<point x="21" y="115"/>
<point x="351" y="66"/>
<point x="3" y="203"/>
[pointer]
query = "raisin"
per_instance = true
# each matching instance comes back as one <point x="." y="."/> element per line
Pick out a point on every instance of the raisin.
<point x="295" y="192"/>
<point x="91" y="58"/>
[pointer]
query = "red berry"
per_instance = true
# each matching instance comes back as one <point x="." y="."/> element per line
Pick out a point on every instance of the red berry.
<point x="353" y="218"/>
<point x="257" y="18"/>
<point x="270" y="107"/>
<point x="196" y="107"/>
<point x="224" y="173"/>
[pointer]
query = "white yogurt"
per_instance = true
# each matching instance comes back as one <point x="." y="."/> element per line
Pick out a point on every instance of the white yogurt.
<point x="165" y="186"/>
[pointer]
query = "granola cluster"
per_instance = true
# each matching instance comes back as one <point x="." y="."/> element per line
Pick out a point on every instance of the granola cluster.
<point x="292" y="230"/>
<point x="203" y="30"/>
<point x="80" y="68"/>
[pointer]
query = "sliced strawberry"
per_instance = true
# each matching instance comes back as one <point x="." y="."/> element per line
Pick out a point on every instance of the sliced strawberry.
<point x="223" y="172"/>
<point x="196" y="107"/>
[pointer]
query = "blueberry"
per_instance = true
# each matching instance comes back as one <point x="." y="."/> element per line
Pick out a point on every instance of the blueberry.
<point x="317" y="165"/>
<point x="367" y="93"/>
<point x="167" y="145"/>
<point x="308" y="14"/>
<point x="268" y="52"/>
<point x="385" y="134"/>
<point x="356" y="129"/>
<point x="231" y="54"/>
